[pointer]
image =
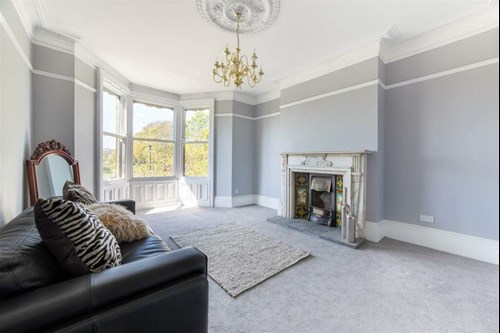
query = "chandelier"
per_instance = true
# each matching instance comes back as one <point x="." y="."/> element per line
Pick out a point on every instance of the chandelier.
<point x="236" y="67"/>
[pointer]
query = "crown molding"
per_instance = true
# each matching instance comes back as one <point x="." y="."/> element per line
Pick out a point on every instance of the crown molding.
<point x="395" y="47"/>
<point x="23" y="12"/>
<point x="268" y="96"/>
<point x="217" y="95"/>
<point x="235" y="96"/>
<point x="153" y="94"/>
<point x="44" y="12"/>
<point x="54" y="40"/>
<point x="243" y="98"/>
<point x="360" y="52"/>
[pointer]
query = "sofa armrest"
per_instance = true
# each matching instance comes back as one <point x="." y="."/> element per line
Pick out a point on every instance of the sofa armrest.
<point x="55" y="304"/>
<point x="129" y="204"/>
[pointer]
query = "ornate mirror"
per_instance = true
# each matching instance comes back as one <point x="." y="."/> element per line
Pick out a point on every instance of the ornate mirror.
<point x="49" y="167"/>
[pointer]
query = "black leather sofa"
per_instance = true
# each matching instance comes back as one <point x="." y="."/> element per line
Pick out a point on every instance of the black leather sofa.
<point x="154" y="290"/>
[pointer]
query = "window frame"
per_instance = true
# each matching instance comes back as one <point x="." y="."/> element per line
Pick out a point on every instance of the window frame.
<point x="130" y="131"/>
<point x="122" y="99"/>
<point x="200" y="104"/>
<point x="185" y="142"/>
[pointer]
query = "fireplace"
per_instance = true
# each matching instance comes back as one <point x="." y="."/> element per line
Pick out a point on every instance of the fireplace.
<point x="315" y="185"/>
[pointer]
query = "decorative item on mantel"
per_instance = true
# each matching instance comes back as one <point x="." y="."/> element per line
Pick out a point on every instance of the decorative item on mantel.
<point x="244" y="17"/>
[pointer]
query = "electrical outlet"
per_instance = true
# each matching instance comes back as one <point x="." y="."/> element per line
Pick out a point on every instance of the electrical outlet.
<point x="236" y="191"/>
<point x="425" y="218"/>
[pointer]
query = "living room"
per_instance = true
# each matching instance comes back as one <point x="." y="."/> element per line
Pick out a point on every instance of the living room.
<point x="366" y="150"/>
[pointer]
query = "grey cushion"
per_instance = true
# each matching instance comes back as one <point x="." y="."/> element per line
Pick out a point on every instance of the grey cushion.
<point x="77" y="193"/>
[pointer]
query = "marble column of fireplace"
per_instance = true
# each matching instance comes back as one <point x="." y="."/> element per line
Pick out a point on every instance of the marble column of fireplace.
<point x="350" y="165"/>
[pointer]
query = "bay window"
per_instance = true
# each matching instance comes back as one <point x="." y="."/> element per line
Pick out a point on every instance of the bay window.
<point x="113" y="137"/>
<point x="196" y="142"/>
<point x="153" y="141"/>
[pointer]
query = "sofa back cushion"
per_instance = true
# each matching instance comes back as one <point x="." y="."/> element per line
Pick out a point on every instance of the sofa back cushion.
<point x="25" y="261"/>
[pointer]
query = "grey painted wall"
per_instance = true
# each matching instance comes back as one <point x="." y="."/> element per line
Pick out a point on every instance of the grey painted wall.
<point x="346" y="77"/>
<point x="375" y="167"/>
<point x="341" y="122"/>
<point x="234" y="152"/>
<point x="267" y="162"/>
<point x="442" y="152"/>
<point x="461" y="53"/>
<point x="53" y="116"/>
<point x="85" y="135"/>
<point x="52" y="61"/>
<point x="223" y="149"/>
<point x="64" y="110"/>
<point x="15" y="116"/>
<point x="243" y="156"/>
<point x="243" y="150"/>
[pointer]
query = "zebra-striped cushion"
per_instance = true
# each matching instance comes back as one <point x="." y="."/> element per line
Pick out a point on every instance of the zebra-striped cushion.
<point x="76" y="237"/>
<point x="77" y="193"/>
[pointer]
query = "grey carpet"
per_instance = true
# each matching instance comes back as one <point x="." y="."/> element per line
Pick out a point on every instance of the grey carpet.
<point x="240" y="258"/>
<point x="385" y="287"/>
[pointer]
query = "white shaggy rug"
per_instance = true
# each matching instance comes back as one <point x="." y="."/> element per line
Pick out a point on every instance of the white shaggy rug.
<point x="239" y="258"/>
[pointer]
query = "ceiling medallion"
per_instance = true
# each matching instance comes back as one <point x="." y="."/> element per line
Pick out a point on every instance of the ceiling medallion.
<point x="255" y="15"/>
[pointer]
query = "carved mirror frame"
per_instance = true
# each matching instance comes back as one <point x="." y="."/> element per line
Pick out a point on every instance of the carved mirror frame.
<point x="43" y="150"/>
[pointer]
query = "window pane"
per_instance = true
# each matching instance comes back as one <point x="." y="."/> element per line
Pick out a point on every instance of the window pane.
<point x="153" y="159"/>
<point x="197" y="125"/>
<point x="113" y="158"/>
<point x="112" y="117"/>
<point x="196" y="159"/>
<point x="151" y="122"/>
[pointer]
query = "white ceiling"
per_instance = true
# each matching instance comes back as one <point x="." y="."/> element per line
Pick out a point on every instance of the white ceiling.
<point x="168" y="46"/>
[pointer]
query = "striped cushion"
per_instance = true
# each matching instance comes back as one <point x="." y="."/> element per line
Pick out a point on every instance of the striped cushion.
<point x="76" y="237"/>
<point x="77" y="193"/>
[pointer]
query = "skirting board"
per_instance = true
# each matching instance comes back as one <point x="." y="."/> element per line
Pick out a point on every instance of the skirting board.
<point x="460" y="244"/>
<point x="245" y="200"/>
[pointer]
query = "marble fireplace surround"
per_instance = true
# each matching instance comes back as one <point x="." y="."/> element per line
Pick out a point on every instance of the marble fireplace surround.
<point x="351" y="165"/>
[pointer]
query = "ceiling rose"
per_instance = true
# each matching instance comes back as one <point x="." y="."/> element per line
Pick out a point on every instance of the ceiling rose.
<point x="256" y="15"/>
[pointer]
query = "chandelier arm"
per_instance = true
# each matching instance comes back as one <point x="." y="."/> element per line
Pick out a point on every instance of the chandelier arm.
<point x="217" y="80"/>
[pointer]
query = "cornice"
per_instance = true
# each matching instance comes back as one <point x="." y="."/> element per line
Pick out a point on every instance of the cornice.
<point x="395" y="46"/>
<point x="268" y="96"/>
<point x="54" y="40"/>
<point x="360" y="52"/>
<point x="23" y="12"/>
<point x="44" y="13"/>
<point x="152" y="94"/>
<point x="243" y="98"/>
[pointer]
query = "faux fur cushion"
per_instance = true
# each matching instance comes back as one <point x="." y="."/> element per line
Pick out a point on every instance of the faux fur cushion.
<point x="125" y="226"/>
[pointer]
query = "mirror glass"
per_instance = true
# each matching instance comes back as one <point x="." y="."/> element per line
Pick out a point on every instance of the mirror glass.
<point x="51" y="174"/>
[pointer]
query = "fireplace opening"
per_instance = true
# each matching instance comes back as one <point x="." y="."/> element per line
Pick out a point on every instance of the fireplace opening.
<point x="318" y="198"/>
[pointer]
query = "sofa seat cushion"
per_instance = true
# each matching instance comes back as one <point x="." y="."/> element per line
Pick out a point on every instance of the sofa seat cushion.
<point x="25" y="261"/>
<point x="144" y="248"/>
